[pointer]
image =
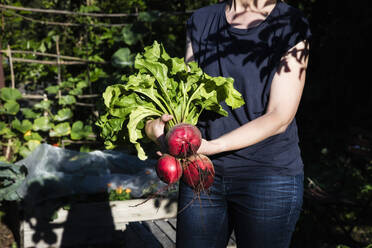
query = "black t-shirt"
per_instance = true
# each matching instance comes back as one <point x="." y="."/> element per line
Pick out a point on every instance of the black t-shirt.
<point x="250" y="56"/>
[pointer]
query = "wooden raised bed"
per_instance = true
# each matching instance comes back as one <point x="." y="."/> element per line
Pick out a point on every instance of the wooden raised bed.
<point x="91" y="223"/>
<point x="105" y="224"/>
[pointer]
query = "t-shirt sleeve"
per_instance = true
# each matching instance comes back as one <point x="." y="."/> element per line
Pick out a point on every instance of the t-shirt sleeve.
<point x="192" y="33"/>
<point x="298" y="30"/>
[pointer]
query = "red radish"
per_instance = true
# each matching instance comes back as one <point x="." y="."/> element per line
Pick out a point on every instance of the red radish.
<point x="169" y="169"/>
<point x="183" y="140"/>
<point x="198" y="172"/>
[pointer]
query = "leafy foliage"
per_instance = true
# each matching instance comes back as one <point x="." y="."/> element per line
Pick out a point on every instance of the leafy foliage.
<point x="119" y="194"/>
<point x="58" y="117"/>
<point x="11" y="176"/>
<point x="163" y="85"/>
<point x="23" y="129"/>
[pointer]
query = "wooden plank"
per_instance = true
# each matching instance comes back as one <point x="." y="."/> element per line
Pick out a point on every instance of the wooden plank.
<point x="231" y="244"/>
<point x="9" y="53"/>
<point x="151" y="210"/>
<point x="121" y="211"/>
<point x="167" y="229"/>
<point x="132" y="239"/>
<point x="173" y="222"/>
<point x="108" y="222"/>
<point x="163" y="239"/>
<point x="149" y="239"/>
<point x="30" y="239"/>
<point x="61" y="237"/>
<point x="51" y="55"/>
<point x="86" y="218"/>
<point x="21" y="233"/>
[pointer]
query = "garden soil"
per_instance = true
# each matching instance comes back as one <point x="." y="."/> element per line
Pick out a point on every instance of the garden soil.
<point x="6" y="236"/>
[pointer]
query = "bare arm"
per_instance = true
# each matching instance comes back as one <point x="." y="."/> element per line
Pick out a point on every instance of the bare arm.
<point x="189" y="54"/>
<point x="285" y="95"/>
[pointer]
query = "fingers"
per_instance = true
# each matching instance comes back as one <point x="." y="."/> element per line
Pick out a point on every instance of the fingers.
<point x="203" y="149"/>
<point x="162" y="120"/>
<point x="166" y="118"/>
<point x="155" y="128"/>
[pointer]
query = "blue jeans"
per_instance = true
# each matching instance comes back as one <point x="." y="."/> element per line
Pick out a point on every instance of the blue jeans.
<point x="262" y="211"/>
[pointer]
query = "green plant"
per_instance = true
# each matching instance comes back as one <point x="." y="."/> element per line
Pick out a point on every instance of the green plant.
<point x="11" y="177"/>
<point x="120" y="194"/>
<point x="90" y="41"/>
<point x="163" y="85"/>
<point x="15" y="136"/>
<point x="47" y="121"/>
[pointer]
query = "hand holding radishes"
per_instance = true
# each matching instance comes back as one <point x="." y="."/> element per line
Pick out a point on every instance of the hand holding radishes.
<point x="182" y="142"/>
<point x="170" y="94"/>
<point x="154" y="130"/>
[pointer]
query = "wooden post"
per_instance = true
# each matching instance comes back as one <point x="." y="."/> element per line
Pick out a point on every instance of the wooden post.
<point x="58" y="66"/>
<point x="45" y="98"/>
<point x="8" y="150"/>
<point x="11" y="66"/>
<point x="2" y="77"/>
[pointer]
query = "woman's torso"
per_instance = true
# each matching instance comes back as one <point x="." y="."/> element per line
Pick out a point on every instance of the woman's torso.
<point x="251" y="56"/>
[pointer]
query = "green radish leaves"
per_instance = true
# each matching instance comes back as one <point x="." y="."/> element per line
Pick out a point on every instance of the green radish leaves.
<point x="163" y="85"/>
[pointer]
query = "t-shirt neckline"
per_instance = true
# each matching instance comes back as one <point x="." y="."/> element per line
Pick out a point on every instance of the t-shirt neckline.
<point x="247" y="30"/>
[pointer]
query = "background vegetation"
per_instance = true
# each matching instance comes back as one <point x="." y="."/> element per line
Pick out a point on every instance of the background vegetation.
<point x="334" y="118"/>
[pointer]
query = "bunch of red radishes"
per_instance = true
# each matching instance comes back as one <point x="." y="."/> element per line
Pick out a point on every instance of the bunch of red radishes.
<point x="182" y="161"/>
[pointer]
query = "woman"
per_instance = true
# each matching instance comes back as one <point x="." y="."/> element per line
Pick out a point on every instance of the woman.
<point x="258" y="188"/>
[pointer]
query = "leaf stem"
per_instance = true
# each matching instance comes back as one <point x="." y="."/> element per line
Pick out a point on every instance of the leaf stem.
<point x="183" y="108"/>
<point x="164" y="109"/>
<point x="192" y="98"/>
<point x="167" y="100"/>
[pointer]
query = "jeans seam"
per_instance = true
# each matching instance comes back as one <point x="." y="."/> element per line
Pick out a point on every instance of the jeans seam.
<point x="225" y="212"/>
<point x="220" y="231"/>
<point x="294" y="199"/>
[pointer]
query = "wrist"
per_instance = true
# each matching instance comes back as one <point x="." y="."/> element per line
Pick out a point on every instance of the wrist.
<point x="211" y="147"/>
<point x="219" y="146"/>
